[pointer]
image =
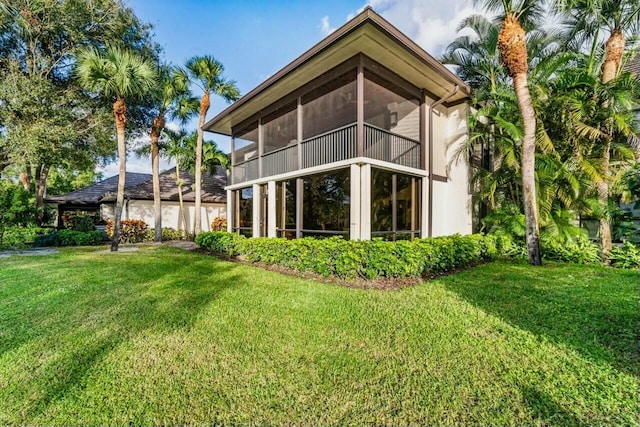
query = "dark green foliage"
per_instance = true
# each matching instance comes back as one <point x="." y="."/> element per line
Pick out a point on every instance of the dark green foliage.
<point x="352" y="258"/>
<point x="77" y="238"/>
<point x="16" y="208"/>
<point x="167" y="234"/>
<point x="82" y="223"/>
<point x="22" y="237"/>
<point x="625" y="256"/>
<point x="579" y="251"/>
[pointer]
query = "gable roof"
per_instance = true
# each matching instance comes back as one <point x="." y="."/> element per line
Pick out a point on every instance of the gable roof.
<point x="367" y="33"/>
<point x="139" y="186"/>
<point x="92" y="194"/>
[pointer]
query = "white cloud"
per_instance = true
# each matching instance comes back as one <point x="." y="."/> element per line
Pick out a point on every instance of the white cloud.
<point x="432" y="24"/>
<point x="325" y="26"/>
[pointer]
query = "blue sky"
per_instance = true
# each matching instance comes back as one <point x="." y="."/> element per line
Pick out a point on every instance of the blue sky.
<point x="254" y="39"/>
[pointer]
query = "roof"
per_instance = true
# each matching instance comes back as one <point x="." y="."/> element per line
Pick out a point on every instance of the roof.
<point x="212" y="187"/>
<point x="633" y="66"/>
<point x="92" y="194"/>
<point x="367" y="33"/>
<point x="139" y="186"/>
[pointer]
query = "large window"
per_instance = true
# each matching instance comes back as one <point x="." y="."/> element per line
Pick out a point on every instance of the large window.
<point x="395" y="205"/>
<point x="246" y="143"/>
<point x="329" y="107"/>
<point x="280" y="129"/>
<point x="243" y="223"/>
<point x="286" y="208"/>
<point x="326" y="204"/>
<point x="388" y="107"/>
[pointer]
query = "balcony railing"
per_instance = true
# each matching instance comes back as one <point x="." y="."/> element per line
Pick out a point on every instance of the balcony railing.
<point x="333" y="146"/>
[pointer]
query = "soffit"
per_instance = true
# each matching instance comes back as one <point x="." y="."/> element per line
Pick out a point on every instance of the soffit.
<point x="373" y="37"/>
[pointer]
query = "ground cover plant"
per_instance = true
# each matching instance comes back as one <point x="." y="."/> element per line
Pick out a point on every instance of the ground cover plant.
<point x="164" y="336"/>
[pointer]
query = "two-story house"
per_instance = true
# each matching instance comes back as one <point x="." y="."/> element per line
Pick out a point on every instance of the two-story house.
<point x="358" y="137"/>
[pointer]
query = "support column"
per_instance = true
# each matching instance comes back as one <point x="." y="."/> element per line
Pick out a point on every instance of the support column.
<point x="230" y="208"/>
<point x="233" y="160"/>
<point x="424" y="209"/>
<point x="260" y="148"/>
<point x="354" y="224"/>
<point x="299" y="211"/>
<point x="271" y="209"/>
<point x="360" y="109"/>
<point x="365" y="202"/>
<point x="299" y="130"/>
<point x="257" y="204"/>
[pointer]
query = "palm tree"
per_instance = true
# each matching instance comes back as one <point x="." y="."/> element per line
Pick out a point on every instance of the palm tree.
<point x="171" y="91"/>
<point x="585" y="20"/>
<point x="175" y="147"/>
<point x="516" y="15"/>
<point x="206" y="73"/>
<point x="117" y="75"/>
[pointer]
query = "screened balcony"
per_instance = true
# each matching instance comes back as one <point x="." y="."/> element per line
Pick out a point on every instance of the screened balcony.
<point x="356" y="113"/>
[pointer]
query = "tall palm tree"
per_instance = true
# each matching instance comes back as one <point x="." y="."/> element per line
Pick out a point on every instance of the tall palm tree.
<point x="207" y="74"/>
<point x="117" y="75"/>
<point x="516" y="16"/>
<point x="171" y="91"/>
<point x="618" y="20"/>
<point x="174" y="147"/>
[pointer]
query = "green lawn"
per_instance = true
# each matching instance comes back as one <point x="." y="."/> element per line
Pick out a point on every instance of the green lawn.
<point x="163" y="336"/>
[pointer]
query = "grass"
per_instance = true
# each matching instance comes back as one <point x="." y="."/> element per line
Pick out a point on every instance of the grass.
<point x="163" y="336"/>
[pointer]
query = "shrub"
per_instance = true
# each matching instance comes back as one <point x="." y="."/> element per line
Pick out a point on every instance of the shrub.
<point x="167" y="234"/>
<point x="77" y="238"/>
<point x="22" y="237"/>
<point x="131" y="230"/>
<point x="219" y="224"/>
<point x="579" y="251"/>
<point x="82" y="222"/>
<point x="625" y="256"/>
<point x="351" y="258"/>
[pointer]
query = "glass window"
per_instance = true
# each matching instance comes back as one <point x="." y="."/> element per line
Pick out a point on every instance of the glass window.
<point x="326" y="203"/>
<point x="280" y="129"/>
<point x="244" y="211"/>
<point x="330" y="107"/>
<point x="388" y="107"/>
<point x="395" y="205"/>
<point x="286" y="208"/>
<point x="246" y="144"/>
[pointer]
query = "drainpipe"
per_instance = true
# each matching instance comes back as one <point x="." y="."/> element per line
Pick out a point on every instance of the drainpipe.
<point x="431" y="108"/>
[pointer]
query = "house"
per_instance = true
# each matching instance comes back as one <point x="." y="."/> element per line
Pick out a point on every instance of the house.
<point x="98" y="200"/>
<point x="358" y="137"/>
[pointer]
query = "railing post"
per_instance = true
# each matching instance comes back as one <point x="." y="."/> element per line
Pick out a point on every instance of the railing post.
<point x="260" y="148"/>
<point x="360" y="109"/>
<point x="233" y="159"/>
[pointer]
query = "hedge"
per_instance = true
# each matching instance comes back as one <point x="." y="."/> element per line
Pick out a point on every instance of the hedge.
<point x="349" y="259"/>
<point x="70" y="238"/>
<point x="372" y="259"/>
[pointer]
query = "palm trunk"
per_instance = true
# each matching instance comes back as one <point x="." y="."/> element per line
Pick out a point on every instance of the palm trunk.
<point x="120" y="113"/>
<point x="614" y="48"/>
<point x="182" y="211"/>
<point x="528" y="168"/>
<point x="204" y="107"/>
<point x="156" y="128"/>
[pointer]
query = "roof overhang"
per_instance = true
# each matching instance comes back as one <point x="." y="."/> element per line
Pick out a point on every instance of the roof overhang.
<point x="367" y="33"/>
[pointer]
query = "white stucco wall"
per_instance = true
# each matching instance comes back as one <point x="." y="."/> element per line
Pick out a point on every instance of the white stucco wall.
<point x="171" y="218"/>
<point x="452" y="204"/>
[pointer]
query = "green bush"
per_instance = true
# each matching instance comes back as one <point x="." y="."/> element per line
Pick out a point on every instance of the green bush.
<point x="22" y="237"/>
<point x="77" y="238"/>
<point x="167" y="234"/>
<point x="82" y="222"/>
<point x="625" y="256"/>
<point x="580" y="251"/>
<point x="351" y="258"/>
<point x="131" y="230"/>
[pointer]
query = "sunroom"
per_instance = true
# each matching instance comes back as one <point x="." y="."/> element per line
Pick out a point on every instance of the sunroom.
<point x="347" y="141"/>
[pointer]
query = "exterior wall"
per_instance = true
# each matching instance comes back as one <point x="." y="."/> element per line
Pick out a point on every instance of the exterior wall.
<point x="452" y="204"/>
<point x="171" y="218"/>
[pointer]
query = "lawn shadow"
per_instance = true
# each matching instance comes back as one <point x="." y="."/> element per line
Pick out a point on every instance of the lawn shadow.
<point x="584" y="308"/>
<point x="119" y="300"/>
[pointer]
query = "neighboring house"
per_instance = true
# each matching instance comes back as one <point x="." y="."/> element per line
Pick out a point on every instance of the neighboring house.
<point x="358" y="137"/>
<point x="98" y="200"/>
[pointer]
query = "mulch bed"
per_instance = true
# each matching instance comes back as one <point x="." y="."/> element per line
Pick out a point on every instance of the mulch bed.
<point x="384" y="283"/>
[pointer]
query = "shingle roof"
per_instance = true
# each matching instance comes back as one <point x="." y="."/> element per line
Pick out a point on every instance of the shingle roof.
<point x="633" y="65"/>
<point x="139" y="186"/>
<point x="212" y="187"/>
<point x="92" y="194"/>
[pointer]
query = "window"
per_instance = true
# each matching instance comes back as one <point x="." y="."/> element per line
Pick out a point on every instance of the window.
<point x="243" y="223"/>
<point x="280" y="129"/>
<point x="329" y="107"/>
<point x="246" y="144"/>
<point x="286" y="208"/>
<point x="326" y="204"/>
<point x="395" y="205"/>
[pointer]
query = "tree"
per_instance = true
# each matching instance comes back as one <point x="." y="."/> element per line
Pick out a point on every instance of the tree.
<point x="585" y="20"/>
<point x="513" y="54"/>
<point x="171" y="90"/>
<point x="118" y="75"/>
<point x="174" y="147"/>
<point x="207" y="73"/>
